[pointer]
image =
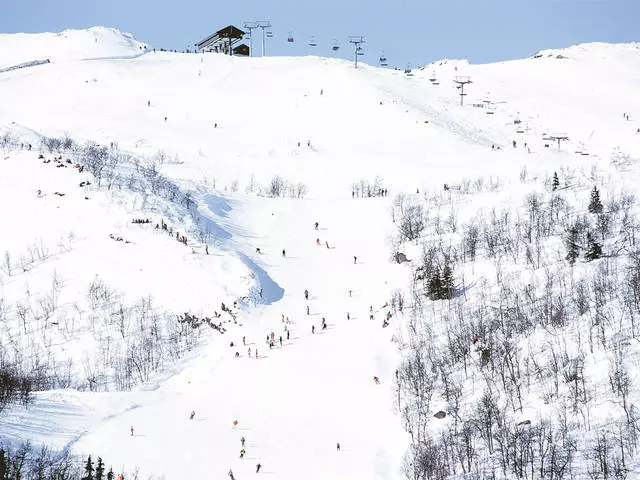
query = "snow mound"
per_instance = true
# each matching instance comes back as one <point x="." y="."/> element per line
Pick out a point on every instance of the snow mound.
<point x="591" y="51"/>
<point x="95" y="42"/>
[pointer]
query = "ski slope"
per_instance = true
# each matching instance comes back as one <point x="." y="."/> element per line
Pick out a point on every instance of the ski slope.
<point x="226" y="126"/>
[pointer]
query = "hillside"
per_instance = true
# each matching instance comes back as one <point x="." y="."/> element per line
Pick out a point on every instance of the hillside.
<point x="488" y="322"/>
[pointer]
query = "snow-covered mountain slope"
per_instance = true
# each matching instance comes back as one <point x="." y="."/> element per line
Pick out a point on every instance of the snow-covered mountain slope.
<point x="96" y="42"/>
<point x="237" y="140"/>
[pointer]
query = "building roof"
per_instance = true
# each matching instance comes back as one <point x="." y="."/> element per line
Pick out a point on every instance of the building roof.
<point x="227" y="32"/>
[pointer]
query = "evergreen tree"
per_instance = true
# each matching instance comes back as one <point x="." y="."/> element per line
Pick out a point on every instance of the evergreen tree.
<point x="434" y="289"/>
<point x="88" y="470"/>
<point x="100" y="470"/>
<point x="4" y="465"/>
<point x="447" y="284"/>
<point x="110" y="475"/>
<point x="595" y="205"/>
<point x="594" y="250"/>
<point x="556" y="182"/>
<point x="572" y="246"/>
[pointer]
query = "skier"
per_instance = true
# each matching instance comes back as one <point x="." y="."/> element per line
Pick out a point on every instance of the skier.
<point x="307" y="309"/>
<point x="313" y="330"/>
<point x="193" y="414"/>
<point x="377" y="380"/>
<point x="242" y="452"/>
<point x="132" y="430"/>
<point x="244" y="340"/>
<point x="258" y="467"/>
<point x="348" y="317"/>
<point x="235" y="423"/>
<point x="317" y="241"/>
<point x="284" y="254"/>
<point x="280" y="340"/>
<point x="306" y="294"/>
<point x="231" y="475"/>
<point x="242" y="441"/>
<point x="258" y="251"/>
<point x="355" y="259"/>
<point x="206" y="249"/>
<point x="338" y="446"/>
<point x="317" y="225"/>
<point x="249" y="352"/>
<point x="287" y="334"/>
<point x="148" y="103"/>
<point x="256" y="353"/>
<point x="326" y="243"/>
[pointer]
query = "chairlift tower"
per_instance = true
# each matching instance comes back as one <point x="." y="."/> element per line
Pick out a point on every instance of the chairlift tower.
<point x="462" y="81"/>
<point x="251" y="26"/>
<point x="357" y="42"/>
<point x="559" y="138"/>
<point x="263" y="24"/>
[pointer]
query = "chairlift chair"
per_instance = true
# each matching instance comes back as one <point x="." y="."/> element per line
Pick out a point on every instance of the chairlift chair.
<point x="290" y="37"/>
<point x="269" y="34"/>
<point x="336" y="45"/>
<point x="312" y="42"/>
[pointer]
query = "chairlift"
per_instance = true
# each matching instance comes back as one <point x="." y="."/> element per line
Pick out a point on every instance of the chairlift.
<point x="408" y="71"/>
<point x="383" y="60"/>
<point x="312" y="42"/>
<point x="336" y="45"/>
<point x="269" y="34"/>
<point x="290" y="37"/>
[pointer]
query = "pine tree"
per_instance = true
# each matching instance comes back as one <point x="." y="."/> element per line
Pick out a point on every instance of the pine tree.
<point x="447" y="284"/>
<point x="556" y="182"/>
<point x="110" y="475"/>
<point x="434" y="289"/>
<point x="100" y="470"/>
<point x="595" y="205"/>
<point x="572" y="246"/>
<point x="4" y="465"/>
<point x="594" y="250"/>
<point x="88" y="470"/>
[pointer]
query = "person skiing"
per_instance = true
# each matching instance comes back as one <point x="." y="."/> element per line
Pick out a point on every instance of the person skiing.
<point x="313" y="330"/>
<point x="193" y="414"/>
<point x="376" y="380"/>
<point x="244" y="340"/>
<point x="326" y="243"/>
<point x="242" y="452"/>
<point x="284" y="254"/>
<point x="256" y="353"/>
<point x="348" y="317"/>
<point x="231" y="475"/>
<point x="338" y="446"/>
<point x="258" y="467"/>
<point x="306" y="294"/>
<point x="132" y="430"/>
<point x="287" y="334"/>
<point x="280" y="340"/>
<point x="249" y="351"/>
<point x="317" y="241"/>
<point x="317" y="224"/>
<point x="307" y="309"/>
<point x="235" y="423"/>
<point x="242" y="441"/>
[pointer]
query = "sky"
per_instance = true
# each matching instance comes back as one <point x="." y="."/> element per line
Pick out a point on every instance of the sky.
<point x="412" y="32"/>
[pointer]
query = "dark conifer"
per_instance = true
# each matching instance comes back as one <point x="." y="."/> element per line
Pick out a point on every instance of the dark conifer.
<point x="595" y="205"/>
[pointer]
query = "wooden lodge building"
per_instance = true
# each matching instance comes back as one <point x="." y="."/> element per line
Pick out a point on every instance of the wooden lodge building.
<point x="225" y="41"/>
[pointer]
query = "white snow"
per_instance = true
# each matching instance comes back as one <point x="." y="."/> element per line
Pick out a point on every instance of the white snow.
<point x="312" y="121"/>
